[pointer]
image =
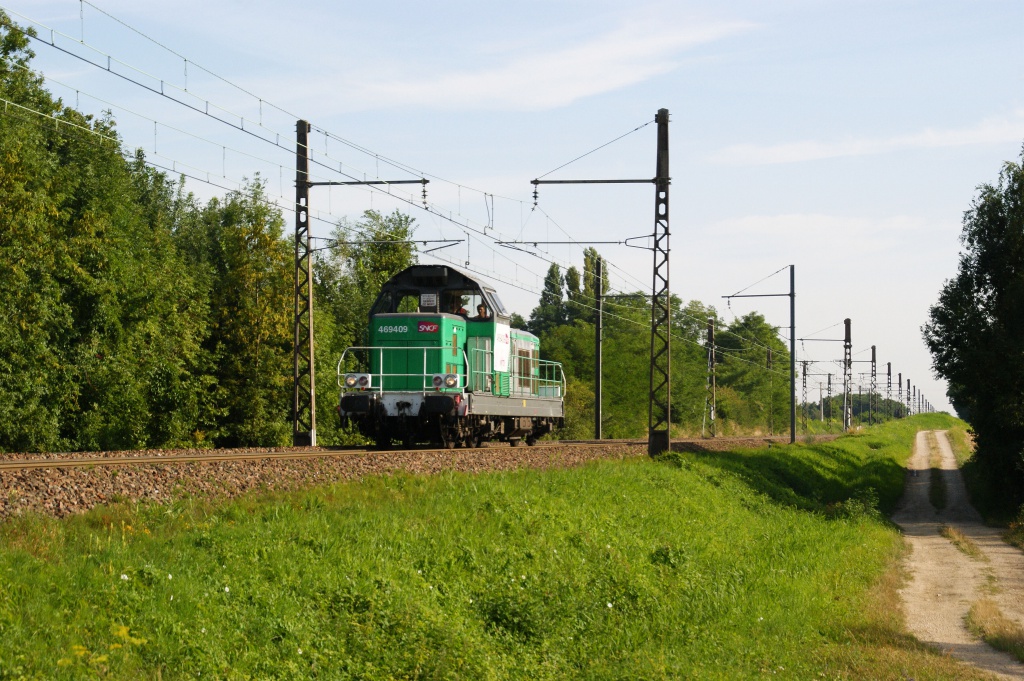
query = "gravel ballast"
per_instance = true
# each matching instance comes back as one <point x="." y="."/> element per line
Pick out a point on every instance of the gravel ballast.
<point x="65" y="491"/>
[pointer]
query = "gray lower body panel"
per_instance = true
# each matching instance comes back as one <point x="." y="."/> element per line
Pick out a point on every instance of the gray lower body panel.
<point x="489" y="405"/>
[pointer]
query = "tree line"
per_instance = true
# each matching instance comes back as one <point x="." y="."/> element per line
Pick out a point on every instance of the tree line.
<point x="975" y="332"/>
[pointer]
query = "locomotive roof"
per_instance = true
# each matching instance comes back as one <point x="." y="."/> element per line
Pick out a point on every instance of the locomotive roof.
<point x="433" y="277"/>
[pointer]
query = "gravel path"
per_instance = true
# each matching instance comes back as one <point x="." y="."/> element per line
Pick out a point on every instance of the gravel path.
<point x="944" y="581"/>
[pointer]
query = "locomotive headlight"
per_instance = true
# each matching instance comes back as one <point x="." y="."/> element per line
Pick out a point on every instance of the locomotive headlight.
<point x="451" y="381"/>
<point x="438" y="380"/>
<point x="353" y="381"/>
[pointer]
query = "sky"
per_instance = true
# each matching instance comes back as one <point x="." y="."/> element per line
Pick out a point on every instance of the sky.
<point x="846" y="138"/>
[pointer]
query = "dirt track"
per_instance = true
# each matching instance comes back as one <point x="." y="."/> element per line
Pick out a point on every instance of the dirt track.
<point x="944" y="581"/>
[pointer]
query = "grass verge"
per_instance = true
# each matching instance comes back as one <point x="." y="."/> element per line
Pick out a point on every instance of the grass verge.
<point x="985" y="620"/>
<point x="961" y="541"/>
<point x="729" y="565"/>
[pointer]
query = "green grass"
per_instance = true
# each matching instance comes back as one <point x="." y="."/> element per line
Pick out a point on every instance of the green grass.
<point x="736" y="565"/>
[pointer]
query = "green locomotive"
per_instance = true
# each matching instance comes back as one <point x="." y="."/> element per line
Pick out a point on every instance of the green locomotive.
<point x="444" y="366"/>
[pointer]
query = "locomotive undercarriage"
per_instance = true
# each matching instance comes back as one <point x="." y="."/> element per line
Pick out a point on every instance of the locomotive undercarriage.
<point x="438" y="422"/>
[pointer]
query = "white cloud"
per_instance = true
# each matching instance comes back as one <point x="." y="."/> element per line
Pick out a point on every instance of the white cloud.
<point x="623" y="57"/>
<point x="994" y="130"/>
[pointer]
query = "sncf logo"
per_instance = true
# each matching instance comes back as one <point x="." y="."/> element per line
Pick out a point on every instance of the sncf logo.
<point x="427" y="327"/>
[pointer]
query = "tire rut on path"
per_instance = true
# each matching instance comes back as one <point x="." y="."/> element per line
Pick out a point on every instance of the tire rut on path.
<point x="944" y="582"/>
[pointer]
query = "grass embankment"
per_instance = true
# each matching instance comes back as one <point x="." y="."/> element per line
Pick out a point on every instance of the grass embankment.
<point x="724" y="565"/>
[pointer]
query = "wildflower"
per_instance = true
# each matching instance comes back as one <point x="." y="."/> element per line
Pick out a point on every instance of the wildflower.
<point x="203" y="630"/>
<point x="227" y="590"/>
<point x="609" y="605"/>
<point x="168" y="575"/>
<point x="172" y="597"/>
<point x="300" y="651"/>
<point x="522" y="576"/>
<point x="124" y="577"/>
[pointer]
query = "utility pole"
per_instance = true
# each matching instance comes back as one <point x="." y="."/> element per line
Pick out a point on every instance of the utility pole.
<point x="899" y="390"/>
<point x="659" y="408"/>
<point x="871" y="395"/>
<point x="792" y="354"/>
<point x="908" y="398"/>
<point x="304" y="414"/>
<point x="803" y="405"/>
<point x="771" y="393"/>
<point x="888" y="390"/>
<point x="598" y="357"/>
<point x="659" y="419"/>
<point x="821" y="402"/>
<point x="847" y="375"/>
<point x="712" y="388"/>
<point x="830" y="403"/>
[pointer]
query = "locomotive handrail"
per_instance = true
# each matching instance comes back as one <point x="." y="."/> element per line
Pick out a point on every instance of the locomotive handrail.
<point x="549" y="375"/>
<point x="425" y="375"/>
<point x="543" y="379"/>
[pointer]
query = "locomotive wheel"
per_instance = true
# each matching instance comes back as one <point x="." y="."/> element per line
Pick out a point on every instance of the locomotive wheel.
<point x="514" y="441"/>
<point x="531" y="440"/>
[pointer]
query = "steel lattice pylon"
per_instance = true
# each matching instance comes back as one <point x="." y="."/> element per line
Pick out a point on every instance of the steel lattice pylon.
<point x="660" y="410"/>
<point x="847" y="378"/>
<point x="874" y="388"/>
<point x="304" y="417"/>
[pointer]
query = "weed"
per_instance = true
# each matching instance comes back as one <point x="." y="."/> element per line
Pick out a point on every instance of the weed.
<point x="985" y="620"/>
<point x="962" y="542"/>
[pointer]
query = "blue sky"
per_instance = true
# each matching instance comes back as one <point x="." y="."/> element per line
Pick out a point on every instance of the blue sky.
<point x="845" y="137"/>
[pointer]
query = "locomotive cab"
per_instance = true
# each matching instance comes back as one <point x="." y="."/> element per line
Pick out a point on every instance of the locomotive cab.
<point x="442" y="363"/>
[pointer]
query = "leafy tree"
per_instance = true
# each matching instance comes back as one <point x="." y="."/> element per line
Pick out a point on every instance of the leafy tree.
<point x="576" y="307"/>
<point x="974" y="331"/>
<point x="551" y="310"/>
<point x="746" y="346"/>
<point x="251" y="316"/>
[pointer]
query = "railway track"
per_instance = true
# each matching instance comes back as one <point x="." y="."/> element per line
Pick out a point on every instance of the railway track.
<point x="218" y="456"/>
